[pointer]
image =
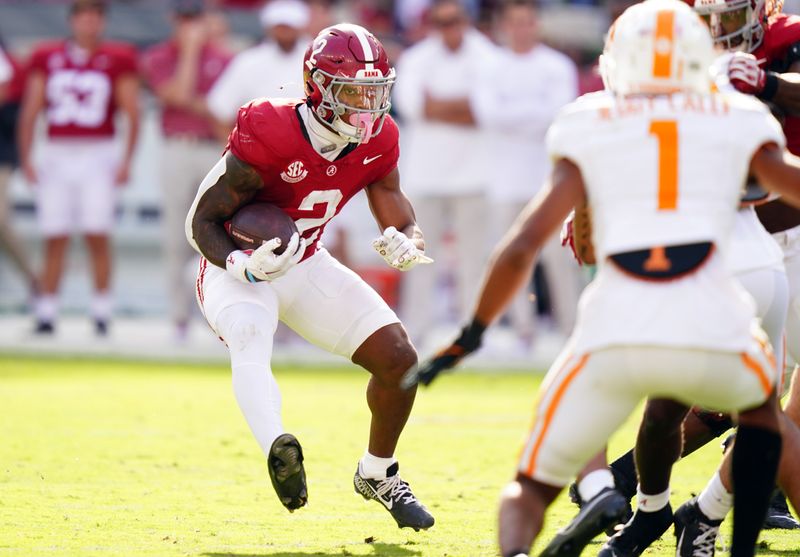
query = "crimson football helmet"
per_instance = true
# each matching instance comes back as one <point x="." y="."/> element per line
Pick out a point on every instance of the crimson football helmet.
<point x="348" y="80"/>
<point x="737" y="24"/>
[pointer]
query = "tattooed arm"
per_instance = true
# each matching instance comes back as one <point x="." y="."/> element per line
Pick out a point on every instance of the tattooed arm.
<point x="229" y="185"/>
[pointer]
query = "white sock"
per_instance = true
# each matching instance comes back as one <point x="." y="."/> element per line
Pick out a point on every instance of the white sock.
<point x="46" y="307"/>
<point x="259" y="399"/>
<point x="651" y="503"/>
<point x="715" y="502"/>
<point x="248" y="330"/>
<point x="101" y="305"/>
<point x="374" y="467"/>
<point x="595" y="482"/>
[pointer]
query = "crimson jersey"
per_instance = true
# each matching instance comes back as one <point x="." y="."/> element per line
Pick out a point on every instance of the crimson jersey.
<point x="269" y="136"/>
<point x="80" y="86"/>
<point x="776" y="53"/>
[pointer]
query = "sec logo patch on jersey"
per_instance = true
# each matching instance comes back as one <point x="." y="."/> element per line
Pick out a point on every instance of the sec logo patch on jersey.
<point x="295" y="172"/>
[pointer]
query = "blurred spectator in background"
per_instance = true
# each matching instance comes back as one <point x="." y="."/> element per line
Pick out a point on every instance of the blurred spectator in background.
<point x="515" y="99"/>
<point x="410" y="15"/>
<point x="12" y="82"/>
<point x="443" y="159"/>
<point x="271" y="69"/>
<point x="180" y="72"/>
<point x="320" y="16"/>
<point x="79" y="84"/>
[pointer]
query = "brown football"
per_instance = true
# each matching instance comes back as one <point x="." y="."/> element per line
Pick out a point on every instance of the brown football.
<point x="256" y="223"/>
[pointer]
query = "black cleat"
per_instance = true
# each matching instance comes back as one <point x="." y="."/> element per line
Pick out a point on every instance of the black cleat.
<point x="44" y="328"/>
<point x="637" y="535"/>
<point x="778" y="515"/>
<point x="611" y="529"/>
<point x="394" y="494"/>
<point x="695" y="533"/>
<point x="604" y="510"/>
<point x="286" y="471"/>
<point x="101" y="327"/>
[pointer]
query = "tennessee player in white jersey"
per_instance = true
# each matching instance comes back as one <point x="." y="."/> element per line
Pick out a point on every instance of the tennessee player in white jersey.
<point x="756" y="260"/>
<point x="661" y="163"/>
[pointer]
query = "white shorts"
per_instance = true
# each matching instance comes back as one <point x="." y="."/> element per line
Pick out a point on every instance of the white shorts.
<point x="76" y="190"/>
<point x="320" y="299"/>
<point x="585" y="397"/>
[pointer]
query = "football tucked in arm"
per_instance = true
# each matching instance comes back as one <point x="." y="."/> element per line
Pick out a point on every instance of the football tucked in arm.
<point x="582" y="231"/>
<point x="256" y="223"/>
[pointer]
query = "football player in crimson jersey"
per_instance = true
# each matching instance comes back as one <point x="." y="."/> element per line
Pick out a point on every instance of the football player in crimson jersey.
<point x="78" y="84"/>
<point x="309" y="157"/>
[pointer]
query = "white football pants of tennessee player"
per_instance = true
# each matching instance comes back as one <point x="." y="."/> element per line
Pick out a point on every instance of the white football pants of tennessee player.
<point x="585" y="397"/>
<point x="756" y="260"/>
<point x="319" y="298"/>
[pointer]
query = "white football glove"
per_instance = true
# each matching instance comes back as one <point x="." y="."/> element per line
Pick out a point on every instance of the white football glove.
<point x="263" y="264"/>
<point x="398" y="250"/>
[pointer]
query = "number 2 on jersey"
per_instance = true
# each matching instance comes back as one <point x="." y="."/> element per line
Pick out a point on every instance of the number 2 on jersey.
<point x="666" y="132"/>
<point x="329" y="198"/>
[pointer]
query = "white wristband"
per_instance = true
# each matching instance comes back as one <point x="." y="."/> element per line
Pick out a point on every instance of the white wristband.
<point x="236" y="264"/>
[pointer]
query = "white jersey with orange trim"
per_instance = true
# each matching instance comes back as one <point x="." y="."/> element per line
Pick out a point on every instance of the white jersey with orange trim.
<point x="663" y="171"/>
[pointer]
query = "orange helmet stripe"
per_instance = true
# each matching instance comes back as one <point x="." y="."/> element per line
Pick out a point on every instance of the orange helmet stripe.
<point x="662" y="49"/>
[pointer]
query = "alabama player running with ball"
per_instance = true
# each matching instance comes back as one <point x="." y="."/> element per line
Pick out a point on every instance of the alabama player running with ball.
<point x="664" y="316"/>
<point x="309" y="157"/>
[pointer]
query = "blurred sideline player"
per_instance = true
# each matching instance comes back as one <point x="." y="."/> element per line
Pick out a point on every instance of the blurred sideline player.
<point x="12" y="82"/>
<point x="661" y="316"/>
<point x="79" y="84"/>
<point x="309" y="157"/>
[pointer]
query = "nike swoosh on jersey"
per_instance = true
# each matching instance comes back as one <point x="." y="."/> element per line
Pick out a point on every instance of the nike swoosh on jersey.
<point x="368" y="160"/>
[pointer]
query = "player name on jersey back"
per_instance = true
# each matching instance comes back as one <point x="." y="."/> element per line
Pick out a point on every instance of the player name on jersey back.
<point x="662" y="170"/>
<point x="714" y="105"/>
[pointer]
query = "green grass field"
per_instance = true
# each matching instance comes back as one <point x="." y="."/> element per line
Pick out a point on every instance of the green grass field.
<point x="116" y="458"/>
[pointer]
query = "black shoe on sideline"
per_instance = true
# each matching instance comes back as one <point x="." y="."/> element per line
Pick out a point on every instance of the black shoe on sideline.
<point x="101" y="327"/>
<point x="44" y="328"/>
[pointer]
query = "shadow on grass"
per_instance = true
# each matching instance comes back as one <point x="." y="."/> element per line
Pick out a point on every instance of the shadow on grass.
<point x="774" y="551"/>
<point x="378" y="549"/>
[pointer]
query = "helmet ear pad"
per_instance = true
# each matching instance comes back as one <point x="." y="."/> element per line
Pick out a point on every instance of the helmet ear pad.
<point x="314" y="85"/>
